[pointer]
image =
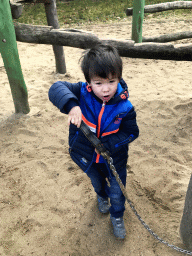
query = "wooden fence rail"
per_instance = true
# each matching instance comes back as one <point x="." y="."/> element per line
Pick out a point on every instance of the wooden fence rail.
<point x="84" y="40"/>
<point x="168" y="37"/>
<point x="163" y="7"/>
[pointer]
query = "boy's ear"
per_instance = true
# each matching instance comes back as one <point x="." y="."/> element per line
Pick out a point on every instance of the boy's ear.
<point x="89" y="88"/>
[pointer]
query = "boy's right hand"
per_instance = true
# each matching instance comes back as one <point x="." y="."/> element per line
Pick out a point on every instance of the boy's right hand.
<point x="75" y="116"/>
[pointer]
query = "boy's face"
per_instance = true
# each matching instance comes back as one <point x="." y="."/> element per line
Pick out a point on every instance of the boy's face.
<point x="104" y="88"/>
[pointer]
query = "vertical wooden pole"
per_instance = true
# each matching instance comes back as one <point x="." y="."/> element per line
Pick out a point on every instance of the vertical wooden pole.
<point x="186" y="221"/>
<point x="52" y="20"/>
<point x="138" y="15"/>
<point x="9" y="53"/>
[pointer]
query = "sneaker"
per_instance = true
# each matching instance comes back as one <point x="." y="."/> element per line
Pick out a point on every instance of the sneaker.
<point x="118" y="227"/>
<point x="103" y="204"/>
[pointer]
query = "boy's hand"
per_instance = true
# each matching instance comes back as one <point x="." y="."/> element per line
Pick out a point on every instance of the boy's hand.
<point x="75" y="116"/>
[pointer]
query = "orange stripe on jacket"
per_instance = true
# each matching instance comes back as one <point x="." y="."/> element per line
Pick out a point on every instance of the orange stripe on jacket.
<point x="99" y="121"/>
<point x="99" y="128"/>
<point x="105" y="134"/>
<point x="97" y="158"/>
<point x="91" y="125"/>
<point x="108" y="133"/>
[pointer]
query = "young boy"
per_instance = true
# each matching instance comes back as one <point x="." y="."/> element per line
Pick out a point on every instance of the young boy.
<point x="102" y="103"/>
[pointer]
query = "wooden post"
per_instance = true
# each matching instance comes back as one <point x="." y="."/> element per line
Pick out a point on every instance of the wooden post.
<point x="16" y="9"/>
<point x="186" y="221"/>
<point x="52" y="20"/>
<point x="138" y="14"/>
<point x="9" y="53"/>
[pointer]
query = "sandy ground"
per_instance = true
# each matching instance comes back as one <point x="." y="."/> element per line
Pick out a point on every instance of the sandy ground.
<point x="48" y="206"/>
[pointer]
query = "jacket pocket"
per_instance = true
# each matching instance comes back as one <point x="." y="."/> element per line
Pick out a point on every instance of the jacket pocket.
<point x="80" y="160"/>
<point x="72" y="140"/>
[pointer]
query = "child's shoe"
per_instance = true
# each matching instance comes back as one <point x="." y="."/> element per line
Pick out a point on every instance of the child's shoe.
<point x="103" y="204"/>
<point x="118" y="227"/>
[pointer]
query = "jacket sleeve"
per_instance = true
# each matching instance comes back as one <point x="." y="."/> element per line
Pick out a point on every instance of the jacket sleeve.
<point x="65" y="95"/>
<point x="128" y="132"/>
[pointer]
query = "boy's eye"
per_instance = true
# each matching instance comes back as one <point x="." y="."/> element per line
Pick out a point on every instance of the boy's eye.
<point x="98" y="83"/>
<point x="111" y="81"/>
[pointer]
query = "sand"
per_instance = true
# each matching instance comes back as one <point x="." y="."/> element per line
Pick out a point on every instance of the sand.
<point x="48" y="206"/>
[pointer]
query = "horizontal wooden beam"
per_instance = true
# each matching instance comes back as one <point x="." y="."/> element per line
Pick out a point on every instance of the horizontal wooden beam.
<point x="34" y="1"/>
<point x="163" y="7"/>
<point x="168" y="37"/>
<point x="48" y="35"/>
<point x="85" y="40"/>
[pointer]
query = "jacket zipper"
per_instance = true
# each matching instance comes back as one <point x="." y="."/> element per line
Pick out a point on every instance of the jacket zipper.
<point x="99" y="127"/>
<point x="99" y="119"/>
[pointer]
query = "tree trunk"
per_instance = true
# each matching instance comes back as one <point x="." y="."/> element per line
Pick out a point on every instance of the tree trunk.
<point x="84" y="40"/>
<point x="163" y="7"/>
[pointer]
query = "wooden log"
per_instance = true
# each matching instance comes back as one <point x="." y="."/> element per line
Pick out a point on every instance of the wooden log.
<point x="186" y="221"/>
<point x="48" y="35"/>
<point x="52" y="20"/>
<point x="16" y="9"/>
<point x="163" y="7"/>
<point x="168" y="37"/>
<point x="83" y="40"/>
<point x="34" y="1"/>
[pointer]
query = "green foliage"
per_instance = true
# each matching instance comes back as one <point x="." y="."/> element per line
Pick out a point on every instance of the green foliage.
<point x="33" y="14"/>
<point x="86" y="11"/>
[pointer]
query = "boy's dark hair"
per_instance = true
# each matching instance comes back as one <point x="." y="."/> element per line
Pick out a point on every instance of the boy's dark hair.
<point x="101" y="60"/>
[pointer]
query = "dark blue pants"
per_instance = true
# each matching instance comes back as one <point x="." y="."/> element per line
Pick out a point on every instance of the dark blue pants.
<point x="98" y="174"/>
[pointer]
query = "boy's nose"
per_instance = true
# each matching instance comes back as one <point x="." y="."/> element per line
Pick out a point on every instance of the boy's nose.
<point x="105" y="88"/>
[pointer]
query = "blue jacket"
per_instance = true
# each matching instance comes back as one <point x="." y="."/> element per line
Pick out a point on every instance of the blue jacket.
<point x="114" y="123"/>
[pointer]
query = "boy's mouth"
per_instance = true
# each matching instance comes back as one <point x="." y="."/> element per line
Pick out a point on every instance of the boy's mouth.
<point x="106" y="97"/>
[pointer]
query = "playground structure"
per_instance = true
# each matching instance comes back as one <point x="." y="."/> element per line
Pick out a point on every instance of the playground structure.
<point x="52" y="20"/>
<point x="51" y="34"/>
<point x="151" y="48"/>
<point x="9" y="51"/>
<point x="83" y="40"/>
<point x="139" y="9"/>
